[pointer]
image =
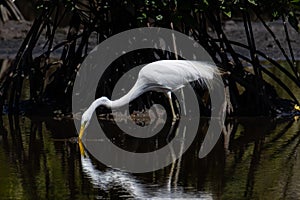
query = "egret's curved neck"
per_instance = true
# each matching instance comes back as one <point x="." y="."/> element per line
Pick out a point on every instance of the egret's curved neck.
<point x="138" y="89"/>
<point x="135" y="91"/>
<point x="95" y="104"/>
<point x="131" y="95"/>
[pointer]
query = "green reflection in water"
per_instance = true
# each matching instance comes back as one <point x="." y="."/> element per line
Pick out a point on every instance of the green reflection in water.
<point x="34" y="165"/>
<point x="269" y="166"/>
<point x="260" y="162"/>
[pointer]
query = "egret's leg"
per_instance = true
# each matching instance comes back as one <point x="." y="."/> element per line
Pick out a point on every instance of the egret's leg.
<point x="169" y="94"/>
<point x="183" y="101"/>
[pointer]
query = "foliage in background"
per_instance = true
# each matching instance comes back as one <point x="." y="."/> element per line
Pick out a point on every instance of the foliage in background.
<point x="51" y="80"/>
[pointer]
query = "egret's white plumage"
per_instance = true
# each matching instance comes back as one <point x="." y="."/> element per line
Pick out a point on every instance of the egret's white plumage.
<point x="163" y="76"/>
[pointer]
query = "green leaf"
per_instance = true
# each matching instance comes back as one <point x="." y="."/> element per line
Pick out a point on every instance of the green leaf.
<point x="159" y="17"/>
<point x="227" y="13"/>
<point x="275" y="15"/>
<point x="252" y="2"/>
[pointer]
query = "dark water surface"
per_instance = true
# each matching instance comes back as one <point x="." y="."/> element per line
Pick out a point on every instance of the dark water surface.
<point x="259" y="159"/>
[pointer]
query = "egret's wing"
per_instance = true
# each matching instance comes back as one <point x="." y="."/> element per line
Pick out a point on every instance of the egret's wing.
<point x="174" y="74"/>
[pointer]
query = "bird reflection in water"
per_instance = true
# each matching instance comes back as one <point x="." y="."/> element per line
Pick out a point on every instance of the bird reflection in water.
<point x="111" y="178"/>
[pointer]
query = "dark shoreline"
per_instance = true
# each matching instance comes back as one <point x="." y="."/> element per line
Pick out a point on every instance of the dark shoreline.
<point x="12" y="34"/>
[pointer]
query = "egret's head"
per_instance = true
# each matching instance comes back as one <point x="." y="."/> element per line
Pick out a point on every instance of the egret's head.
<point x="85" y="120"/>
<point x="87" y="115"/>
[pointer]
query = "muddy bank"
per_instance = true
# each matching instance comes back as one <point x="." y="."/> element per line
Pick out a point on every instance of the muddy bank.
<point x="12" y="34"/>
<point x="263" y="40"/>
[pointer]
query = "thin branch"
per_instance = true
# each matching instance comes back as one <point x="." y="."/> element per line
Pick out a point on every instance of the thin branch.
<point x="276" y="64"/>
<point x="290" y="46"/>
<point x="274" y="77"/>
<point x="277" y="42"/>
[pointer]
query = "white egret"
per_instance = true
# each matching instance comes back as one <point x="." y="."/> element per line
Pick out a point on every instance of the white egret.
<point x="162" y="76"/>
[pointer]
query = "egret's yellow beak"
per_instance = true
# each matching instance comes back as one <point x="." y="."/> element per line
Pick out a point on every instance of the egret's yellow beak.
<point x="82" y="128"/>
<point x="81" y="148"/>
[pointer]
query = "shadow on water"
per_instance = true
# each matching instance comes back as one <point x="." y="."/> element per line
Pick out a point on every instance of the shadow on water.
<point x="256" y="158"/>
